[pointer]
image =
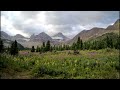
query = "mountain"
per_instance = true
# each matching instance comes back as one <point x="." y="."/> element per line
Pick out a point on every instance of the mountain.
<point x="7" y="43"/>
<point x="4" y="35"/>
<point x="95" y="32"/>
<point x="87" y="34"/>
<point x="115" y="26"/>
<point x="60" y="37"/>
<point x="19" y="38"/>
<point x="42" y="37"/>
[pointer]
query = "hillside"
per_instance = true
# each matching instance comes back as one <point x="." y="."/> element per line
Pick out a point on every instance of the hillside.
<point x="96" y="32"/>
<point x="42" y="37"/>
<point x="9" y="42"/>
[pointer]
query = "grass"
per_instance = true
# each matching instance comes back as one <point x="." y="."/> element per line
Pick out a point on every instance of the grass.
<point x="100" y="64"/>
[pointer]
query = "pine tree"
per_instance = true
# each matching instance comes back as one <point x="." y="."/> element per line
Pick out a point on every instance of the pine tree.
<point x="33" y="49"/>
<point x="74" y="46"/>
<point x="108" y="41"/>
<point x="43" y="47"/>
<point x="37" y="49"/>
<point x="43" y="44"/>
<point x="14" y="48"/>
<point x="1" y="46"/>
<point x="78" y="43"/>
<point x="81" y="44"/>
<point x="48" y="46"/>
<point x="118" y="43"/>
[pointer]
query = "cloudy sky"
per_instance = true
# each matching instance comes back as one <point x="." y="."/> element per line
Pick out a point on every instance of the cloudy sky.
<point x="69" y="23"/>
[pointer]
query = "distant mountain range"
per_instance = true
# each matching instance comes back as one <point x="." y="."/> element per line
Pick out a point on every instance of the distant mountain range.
<point x="59" y="38"/>
<point x="35" y="40"/>
<point x="42" y="37"/>
<point x="96" y="32"/>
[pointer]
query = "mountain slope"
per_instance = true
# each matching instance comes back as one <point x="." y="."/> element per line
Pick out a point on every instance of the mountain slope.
<point x="115" y="26"/>
<point x="42" y="37"/>
<point x="59" y="37"/>
<point x="96" y="32"/>
<point x="7" y="43"/>
<point x="4" y="35"/>
<point x="19" y="38"/>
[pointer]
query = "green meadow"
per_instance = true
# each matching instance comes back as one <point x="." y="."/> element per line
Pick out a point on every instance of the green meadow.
<point x="88" y="64"/>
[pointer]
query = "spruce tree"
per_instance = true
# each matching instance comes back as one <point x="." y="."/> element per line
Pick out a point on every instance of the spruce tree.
<point x="37" y="49"/>
<point x="14" y="48"/>
<point x="43" y="44"/>
<point x="33" y="49"/>
<point x="48" y="46"/>
<point x="81" y="44"/>
<point x="43" y="47"/>
<point x="78" y="43"/>
<point x="1" y="46"/>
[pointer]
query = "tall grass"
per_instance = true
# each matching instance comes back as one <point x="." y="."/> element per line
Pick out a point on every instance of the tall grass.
<point x="100" y="64"/>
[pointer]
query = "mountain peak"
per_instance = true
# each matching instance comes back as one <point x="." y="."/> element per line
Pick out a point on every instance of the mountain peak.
<point x="96" y="28"/>
<point x="42" y="33"/>
<point x="19" y="36"/>
<point x="59" y="35"/>
<point x="43" y="37"/>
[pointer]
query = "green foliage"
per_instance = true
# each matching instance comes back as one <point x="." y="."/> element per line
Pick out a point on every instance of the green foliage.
<point x="37" y="49"/>
<point x="108" y="40"/>
<point x="33" y="49"/>
<point x="100" y="64"/>
<point x="1" y="46"/>
<point x="43" y="44"/>
<point x="48" y="46"/>
<point x="78" y="45"/>
<point x="14" y="48"/>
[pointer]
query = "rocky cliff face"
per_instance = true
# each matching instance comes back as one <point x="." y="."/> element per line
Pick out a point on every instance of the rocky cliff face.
<point x="42" y="37"/>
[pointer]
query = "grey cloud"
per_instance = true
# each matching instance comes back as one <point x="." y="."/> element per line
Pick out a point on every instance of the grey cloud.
<point x="62" y="21"/>
<point x="29" y="14"/>
<point x="79" y="17"/>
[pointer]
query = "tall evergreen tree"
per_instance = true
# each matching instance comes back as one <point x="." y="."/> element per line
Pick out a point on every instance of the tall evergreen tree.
<point x="37" y="49"/>
<point x="78" y="43"/>
<point x="1" y="46"/>
<point x="48" y="46"/>
<point x="81" y="44"/>
<point x="33" y="49"/>
<point x="14" y="48"/>
<point x="43" y="44"/>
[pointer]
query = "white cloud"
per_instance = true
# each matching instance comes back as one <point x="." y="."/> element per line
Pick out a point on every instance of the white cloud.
<point x="7" y="26"/>
<point x="69" y="23"/>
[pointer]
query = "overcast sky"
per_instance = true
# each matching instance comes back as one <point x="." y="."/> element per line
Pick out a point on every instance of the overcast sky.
<point x="69" y="23"/>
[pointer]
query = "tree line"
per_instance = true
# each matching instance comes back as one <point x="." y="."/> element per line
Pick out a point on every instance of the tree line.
<point x="13" y="50"/>
<point x="109" y="40"/>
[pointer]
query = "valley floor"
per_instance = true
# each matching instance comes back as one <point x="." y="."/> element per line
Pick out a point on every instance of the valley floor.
<point x="89" y="64"/>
